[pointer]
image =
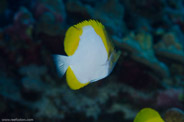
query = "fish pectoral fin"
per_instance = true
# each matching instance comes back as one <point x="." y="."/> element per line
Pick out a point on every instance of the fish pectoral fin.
<point x="72" y="81"/>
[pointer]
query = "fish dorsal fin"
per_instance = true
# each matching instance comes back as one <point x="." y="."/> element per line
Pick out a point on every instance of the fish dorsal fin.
<point x="72" y="81"/>
<point x="73" y="34"/>
<point x="148" y="115"/>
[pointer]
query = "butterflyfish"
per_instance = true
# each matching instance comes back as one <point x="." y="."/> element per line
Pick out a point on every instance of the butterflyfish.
<point x="91" y="56"/>
<point x="148" y="115"/>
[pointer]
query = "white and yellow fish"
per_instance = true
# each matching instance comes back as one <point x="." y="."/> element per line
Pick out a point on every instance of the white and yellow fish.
<point x="91" y="55"/>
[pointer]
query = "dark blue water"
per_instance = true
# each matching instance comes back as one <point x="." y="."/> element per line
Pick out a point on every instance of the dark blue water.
<point x="149" y="72"/>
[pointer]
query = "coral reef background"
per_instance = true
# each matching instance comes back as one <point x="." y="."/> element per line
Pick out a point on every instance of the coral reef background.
<point x="149" y="73"/>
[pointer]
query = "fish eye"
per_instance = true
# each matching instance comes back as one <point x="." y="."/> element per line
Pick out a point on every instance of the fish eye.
<point x="76" y="27"/>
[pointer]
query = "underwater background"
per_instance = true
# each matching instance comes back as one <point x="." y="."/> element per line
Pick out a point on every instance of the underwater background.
<point x="149" y="73"/>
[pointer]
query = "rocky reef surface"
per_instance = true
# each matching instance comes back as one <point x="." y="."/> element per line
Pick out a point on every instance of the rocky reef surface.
<point x="149" y="73"/>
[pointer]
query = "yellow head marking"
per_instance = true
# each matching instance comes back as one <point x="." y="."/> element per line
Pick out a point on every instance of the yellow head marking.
<point x="73" y="34"/>
<point x="71" y="41"/>
<point x="72" y="81"/>
<point x="148" y="115"/>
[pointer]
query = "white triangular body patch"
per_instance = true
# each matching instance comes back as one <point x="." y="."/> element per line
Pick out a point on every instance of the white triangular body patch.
<point x="90" y="60"/>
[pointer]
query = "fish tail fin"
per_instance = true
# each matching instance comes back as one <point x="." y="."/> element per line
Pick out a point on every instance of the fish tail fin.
<point x="62" y="63"/>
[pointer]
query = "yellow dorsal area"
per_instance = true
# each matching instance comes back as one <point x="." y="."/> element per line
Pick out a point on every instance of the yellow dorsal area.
<point x="73" y="34"/>
<point x="72" y="81"/>
<point x="148" y="115"/>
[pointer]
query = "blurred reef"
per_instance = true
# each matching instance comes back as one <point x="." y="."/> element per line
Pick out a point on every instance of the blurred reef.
<point x="149" y="73"/>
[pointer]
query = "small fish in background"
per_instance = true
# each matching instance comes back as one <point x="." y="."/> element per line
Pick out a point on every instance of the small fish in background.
<point x="91" y="55"/>
<point x="148" y="115"/>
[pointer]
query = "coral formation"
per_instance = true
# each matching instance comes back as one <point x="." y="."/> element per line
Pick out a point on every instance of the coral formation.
<point x="51" y="17"/>
<point x="170" y="98"/>
<point x="140" y="46"/>
<point x="174" y="115"/>
<point x="170" y="48"/>
<point x="109" y="12"/>
<point x="149" y="72"/>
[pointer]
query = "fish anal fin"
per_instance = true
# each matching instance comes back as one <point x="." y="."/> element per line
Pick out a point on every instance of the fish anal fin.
<point x="72" y="81"/>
